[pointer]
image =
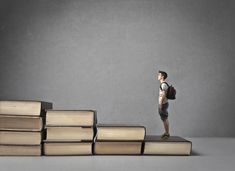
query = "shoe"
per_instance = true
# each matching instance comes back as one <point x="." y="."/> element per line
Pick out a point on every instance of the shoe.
<point x="165" y="136"/>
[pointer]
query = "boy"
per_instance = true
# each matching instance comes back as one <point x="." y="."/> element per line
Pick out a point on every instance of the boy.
<point x="163" y="103"/>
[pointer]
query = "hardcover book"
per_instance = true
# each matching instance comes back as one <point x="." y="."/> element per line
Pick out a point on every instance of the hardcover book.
<point x="20" y="138"/>
<point x="119" y="132"/>
<point x="21" y="123"/>
<point x="23" y="107"/>
<point x="67" y="148"/>
<point x="70" y="118"/>
<point x="118" y="148"/>
<point x="69" y="133"/>
<point x="154" y="145"/>
<point x="20" y="150"/>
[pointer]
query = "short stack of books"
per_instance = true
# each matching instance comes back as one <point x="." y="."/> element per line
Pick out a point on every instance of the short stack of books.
<point x="119" y="139"/>
<point x="21" y="127"/>
<point x="69" y="132"/>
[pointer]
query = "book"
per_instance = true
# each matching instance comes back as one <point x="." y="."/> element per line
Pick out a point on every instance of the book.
<point x="23" y="107"/>
<point x="154" y="145"/>
<point x="70" y="118"/>
<point x="118" y="148"/>
<point x="20" y="150"/>
<point x="69" y="133"/>
<point x="20" y="138"/>
<point x="117" y="132"/>
<point x="22" y="123"/>
<point x="68" y="148"/>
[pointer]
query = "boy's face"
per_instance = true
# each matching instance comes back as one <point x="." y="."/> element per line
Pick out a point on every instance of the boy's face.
<point x="159" y="76"/>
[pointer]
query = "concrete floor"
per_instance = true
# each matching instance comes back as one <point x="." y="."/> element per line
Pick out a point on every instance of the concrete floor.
<point x="215" y="154"/>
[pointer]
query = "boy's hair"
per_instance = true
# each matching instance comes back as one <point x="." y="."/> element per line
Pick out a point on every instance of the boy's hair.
<point x="164" y="74"/>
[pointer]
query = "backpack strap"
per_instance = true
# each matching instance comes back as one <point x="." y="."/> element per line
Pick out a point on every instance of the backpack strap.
<point x="162" y="83"/>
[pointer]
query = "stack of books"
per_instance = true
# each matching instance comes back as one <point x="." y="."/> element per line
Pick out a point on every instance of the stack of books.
<point x="69" y="132"/>
<point x="32" y="128"/>
<point x="21" y="127"/>
<point x="119" y="139"/>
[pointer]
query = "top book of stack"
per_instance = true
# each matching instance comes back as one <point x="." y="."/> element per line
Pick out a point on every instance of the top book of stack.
<point x="63" y="118"/>
<point x="120" y="132"/>
<point x="24" y="107"/>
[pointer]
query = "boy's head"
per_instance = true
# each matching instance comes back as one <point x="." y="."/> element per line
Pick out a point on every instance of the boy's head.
<point x="162" y="75"/>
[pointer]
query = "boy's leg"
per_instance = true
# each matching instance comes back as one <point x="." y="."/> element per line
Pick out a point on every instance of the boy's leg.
<point x="166" y="125"/>
<point x="164" y="117"/>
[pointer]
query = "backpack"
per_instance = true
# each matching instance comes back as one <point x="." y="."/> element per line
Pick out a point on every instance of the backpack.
<point x="171" y="92"/>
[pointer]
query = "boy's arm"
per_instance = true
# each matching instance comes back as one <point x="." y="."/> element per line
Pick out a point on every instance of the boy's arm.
<point x="162" y="96"/>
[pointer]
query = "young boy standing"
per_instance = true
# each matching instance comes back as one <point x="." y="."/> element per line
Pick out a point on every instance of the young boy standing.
<point x="163" y="103"/>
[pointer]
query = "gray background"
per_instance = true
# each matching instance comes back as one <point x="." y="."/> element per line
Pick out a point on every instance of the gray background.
<point x="104" y="55"/>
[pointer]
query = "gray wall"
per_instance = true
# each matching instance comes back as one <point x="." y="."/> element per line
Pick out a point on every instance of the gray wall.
<point x="104" y="55"/>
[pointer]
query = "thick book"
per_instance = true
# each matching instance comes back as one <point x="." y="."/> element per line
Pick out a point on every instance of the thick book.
<point x="71" y="118"/>
<point x="69" y="133"/>
<point x="21" y="123"/>
<point x="67" y="148"/>
<point x="154" y="145"/>
<point x="120" y="132"/>
<point x="23" y="107"/>
<point x="20" y="138"/>
<point x="20" y="150"/>
<point x="118" y="148"/>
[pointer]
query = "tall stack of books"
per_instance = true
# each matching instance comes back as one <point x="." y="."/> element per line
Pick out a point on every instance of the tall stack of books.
<point x="119" y="139"/>
<point x="69" y="132"/>
<point x="21" y="127"/>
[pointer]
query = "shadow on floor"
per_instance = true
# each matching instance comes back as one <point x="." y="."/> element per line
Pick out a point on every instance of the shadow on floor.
<point x="195" y="153"/>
